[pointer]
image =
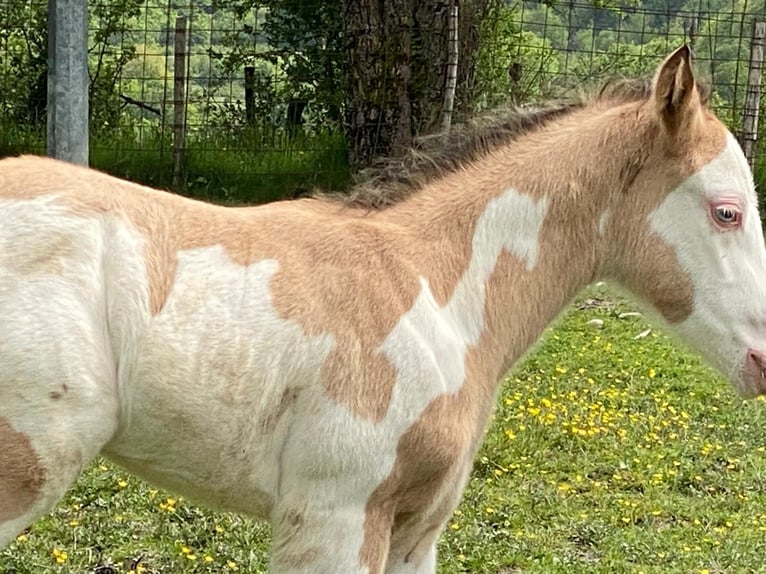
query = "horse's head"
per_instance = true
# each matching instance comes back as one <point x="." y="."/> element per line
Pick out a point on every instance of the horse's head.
<point x="686" y="234"/>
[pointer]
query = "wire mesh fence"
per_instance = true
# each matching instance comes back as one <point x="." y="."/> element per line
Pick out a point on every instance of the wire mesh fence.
<point x="574" y="44"/>
<point x="263" y="82"/>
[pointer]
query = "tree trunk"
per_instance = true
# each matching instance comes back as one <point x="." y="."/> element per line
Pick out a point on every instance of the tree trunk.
<point x="429" y="63"/>
<point x="378" y="58"/>
<point x="398" y="70"/>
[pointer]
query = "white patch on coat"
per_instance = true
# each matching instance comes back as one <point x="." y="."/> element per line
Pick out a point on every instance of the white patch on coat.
<point x="603" y="221"/>
<point x="510" y="222"/>
<point x="53" y="343"/>
<point x="219" y="332"/>
<point x="728" y="269"/>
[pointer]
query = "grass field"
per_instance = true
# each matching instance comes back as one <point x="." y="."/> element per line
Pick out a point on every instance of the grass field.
<point x="255" y="166"/>
<point x="611" y="451"/>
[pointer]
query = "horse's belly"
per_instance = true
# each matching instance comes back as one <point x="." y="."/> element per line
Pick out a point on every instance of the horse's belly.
<point x="210" y="460"/>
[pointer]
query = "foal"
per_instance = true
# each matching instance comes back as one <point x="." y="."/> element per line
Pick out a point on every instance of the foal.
<point x="333" y="368"/>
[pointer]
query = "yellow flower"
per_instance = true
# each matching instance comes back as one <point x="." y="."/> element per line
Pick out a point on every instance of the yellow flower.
<point x="168" y="505"/>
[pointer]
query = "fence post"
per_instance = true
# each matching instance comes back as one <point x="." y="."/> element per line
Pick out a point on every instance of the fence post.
<point x="452" y="62"/>
<point x="753" y="97"/>
<point x="67" y="126"/>
<point x="250" y="95"/>
<point x="179" y="99"/>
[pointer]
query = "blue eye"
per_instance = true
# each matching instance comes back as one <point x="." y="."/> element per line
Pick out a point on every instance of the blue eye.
<point x="726" y="214"/>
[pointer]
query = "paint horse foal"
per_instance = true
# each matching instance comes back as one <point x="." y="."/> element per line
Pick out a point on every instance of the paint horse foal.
<point x="333" y="368"/>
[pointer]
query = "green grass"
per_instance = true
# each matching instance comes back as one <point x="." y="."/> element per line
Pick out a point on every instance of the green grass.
<point x="255" y="166"/>
<point x="608" y="453"/>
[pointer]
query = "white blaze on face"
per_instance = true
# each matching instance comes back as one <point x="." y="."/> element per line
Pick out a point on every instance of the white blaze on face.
<point x="727" y="266"/>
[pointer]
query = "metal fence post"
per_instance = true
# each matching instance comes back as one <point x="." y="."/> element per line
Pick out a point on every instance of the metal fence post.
<point x="179" y="99"/>
<point x="753" y="97"/>
<point x="67" y="129"/>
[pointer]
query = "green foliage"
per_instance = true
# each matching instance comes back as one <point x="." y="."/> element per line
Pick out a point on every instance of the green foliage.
<point x="618" y="60"/>
<point x="21" y="137"/>
<point x="295" y="48"/>
<point x="513" y="65"/>
<point x="527" y="51"/>
<point x="24" y="65"/>
<point x="108" y="56"/>
<point x="24" y="69"/>
<point x="249" y="167"/>
<point x="310" y="35"/>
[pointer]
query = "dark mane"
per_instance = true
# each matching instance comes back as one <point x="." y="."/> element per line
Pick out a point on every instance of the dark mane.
<point x="392" y="179"/>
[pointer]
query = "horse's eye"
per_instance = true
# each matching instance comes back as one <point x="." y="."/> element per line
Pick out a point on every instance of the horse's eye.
<point x="727" y="214"/>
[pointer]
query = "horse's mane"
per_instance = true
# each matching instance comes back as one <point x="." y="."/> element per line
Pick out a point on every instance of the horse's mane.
<point x="391" y="180"/>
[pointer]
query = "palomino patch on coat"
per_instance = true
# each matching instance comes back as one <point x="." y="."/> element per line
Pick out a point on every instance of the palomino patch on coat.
<point x="21" y="474"/>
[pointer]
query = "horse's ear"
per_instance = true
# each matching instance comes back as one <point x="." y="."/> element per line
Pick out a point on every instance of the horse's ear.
<point x="674" y="90"/>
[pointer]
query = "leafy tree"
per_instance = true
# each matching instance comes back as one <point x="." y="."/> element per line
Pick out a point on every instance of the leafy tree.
<point x="300" y="44"/>
<point x="24" y="69"/>
<point x="108" y="55"/>
<point x="513" y="65"/>
<point x="23" y="73"/>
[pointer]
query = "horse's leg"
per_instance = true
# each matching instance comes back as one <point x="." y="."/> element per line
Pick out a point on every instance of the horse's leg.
<point x="58" y="402"/>
<point x="309" y="540"/>
<point x="414" y="556"/>
<point x="413" y="543"/>
<point x="319" y="527"/>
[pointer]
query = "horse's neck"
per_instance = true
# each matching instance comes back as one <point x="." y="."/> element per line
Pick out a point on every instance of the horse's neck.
<point x="506" y="243"/>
